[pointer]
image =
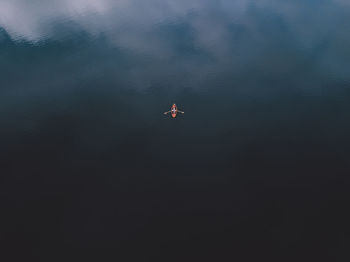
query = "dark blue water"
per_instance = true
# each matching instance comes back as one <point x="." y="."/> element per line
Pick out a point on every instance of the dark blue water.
<point x="257" y="168"/>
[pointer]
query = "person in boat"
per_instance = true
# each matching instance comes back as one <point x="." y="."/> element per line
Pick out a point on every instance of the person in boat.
<point x="174" y="111"/>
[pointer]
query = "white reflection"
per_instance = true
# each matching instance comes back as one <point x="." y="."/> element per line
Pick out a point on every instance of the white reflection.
<point x="33" y="20"/>
<point x="133" y="24"/>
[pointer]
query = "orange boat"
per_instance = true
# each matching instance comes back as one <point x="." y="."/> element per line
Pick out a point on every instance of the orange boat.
<point x="174" y="111"/>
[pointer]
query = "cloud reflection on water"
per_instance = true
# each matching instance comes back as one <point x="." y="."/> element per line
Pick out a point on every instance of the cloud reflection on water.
<point x="182" y="35"/>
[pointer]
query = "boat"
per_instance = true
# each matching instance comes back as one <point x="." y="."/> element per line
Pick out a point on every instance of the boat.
<point x="174" y="111"/>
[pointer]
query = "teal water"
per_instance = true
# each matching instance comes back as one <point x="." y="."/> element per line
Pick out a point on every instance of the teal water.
<point x="256" y="167"/>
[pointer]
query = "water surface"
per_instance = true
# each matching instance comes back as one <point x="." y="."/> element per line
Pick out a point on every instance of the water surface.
<point x="256" y="167"/>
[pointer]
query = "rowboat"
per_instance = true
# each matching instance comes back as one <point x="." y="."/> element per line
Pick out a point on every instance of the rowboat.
<point x="174" y="111"/>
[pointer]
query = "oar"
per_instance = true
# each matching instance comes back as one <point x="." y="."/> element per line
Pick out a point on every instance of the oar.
<point x="181" y="112"/>
<point x="167" y="112"/>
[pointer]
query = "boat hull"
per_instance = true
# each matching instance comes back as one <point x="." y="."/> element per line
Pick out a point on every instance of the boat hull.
<point x="173" y="110"/>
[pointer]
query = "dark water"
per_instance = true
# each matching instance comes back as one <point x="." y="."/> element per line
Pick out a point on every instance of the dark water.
<point x="256" y="169"/>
